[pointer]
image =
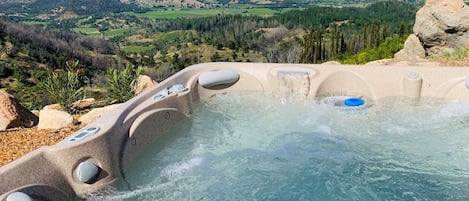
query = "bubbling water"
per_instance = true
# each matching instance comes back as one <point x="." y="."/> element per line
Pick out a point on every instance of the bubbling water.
<point x="241" y="146"/>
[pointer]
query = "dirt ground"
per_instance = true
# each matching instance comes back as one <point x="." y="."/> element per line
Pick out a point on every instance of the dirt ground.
<point x="15" y="143"/>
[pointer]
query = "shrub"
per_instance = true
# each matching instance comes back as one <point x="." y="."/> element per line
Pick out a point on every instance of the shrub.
<point x="65" y="87"/>
<point x="456" y="54"/>
<point x="123" y="83"/>
<point x="385" y="50"/>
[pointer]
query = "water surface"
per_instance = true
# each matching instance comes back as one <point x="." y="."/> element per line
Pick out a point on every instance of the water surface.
<point x="241" y="146"/>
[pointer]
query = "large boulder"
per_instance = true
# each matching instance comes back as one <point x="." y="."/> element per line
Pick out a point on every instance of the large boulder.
<point x="144" y="82"/>
<point x="441" y="24"/>
<point x="413" y="50"/>
<point x="96" y="113"/>
<point x="456" y="4"/>
<point x="54" y="119"/>
<point x="12" y="114"/>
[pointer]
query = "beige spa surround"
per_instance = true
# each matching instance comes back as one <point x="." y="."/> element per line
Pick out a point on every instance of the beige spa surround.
<point x="99" y="154"/>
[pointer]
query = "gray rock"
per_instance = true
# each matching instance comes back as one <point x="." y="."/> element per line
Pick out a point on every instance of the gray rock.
<point x="413" y="50"/>
<point x="442" y="24"/>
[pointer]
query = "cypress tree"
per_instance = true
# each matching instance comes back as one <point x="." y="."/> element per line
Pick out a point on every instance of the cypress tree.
<point x="365" y="37"/>
<point x="372" y="41"/>
<point x="333" y="45"/>
<point x="343" y="45"/>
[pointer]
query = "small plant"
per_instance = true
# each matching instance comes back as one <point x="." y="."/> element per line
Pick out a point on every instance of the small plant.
<point x="456" y="54"/>
<point x="65" y="87"/>
<point x="123" y="83"/>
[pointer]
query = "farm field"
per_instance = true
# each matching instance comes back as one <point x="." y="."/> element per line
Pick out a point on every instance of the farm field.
<point x="87" y="31"/>
<point x="137" y="48"/>
<point x="193" y="13"/>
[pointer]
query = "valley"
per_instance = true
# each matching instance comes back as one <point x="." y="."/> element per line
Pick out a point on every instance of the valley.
<point x="164" y="39"/>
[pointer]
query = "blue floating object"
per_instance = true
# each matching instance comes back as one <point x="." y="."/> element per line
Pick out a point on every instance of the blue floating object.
<point x="354" y="102"/>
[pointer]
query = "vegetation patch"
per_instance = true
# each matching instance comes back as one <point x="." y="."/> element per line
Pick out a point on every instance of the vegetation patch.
<point x="194" y="13"/>
<point x="115" y="32"/>
<point x="87" y="31"/>
<point x="449" y="57"/>
<point x="32" y="22"/>
<point x="167" y="40"/>
<point x="137" y="48"/>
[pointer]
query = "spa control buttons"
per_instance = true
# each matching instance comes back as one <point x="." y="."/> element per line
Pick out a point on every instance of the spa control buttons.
<point x="83" y="134"/>
<point x="177" y="88"/>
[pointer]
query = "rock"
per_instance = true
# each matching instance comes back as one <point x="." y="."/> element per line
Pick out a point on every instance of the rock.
<point x="53" y="107"/>
<point x="87" y="104"/>
<point x="455" y="4"/>
<point x="12" y="114"/>
<point x="144" y="82"/>
<point x="54" y="119"/>
<point x="442" y="23"/>
<point x="413" y="50"/>
<point x="83" y="104"/>
<point x="96" y="113"/>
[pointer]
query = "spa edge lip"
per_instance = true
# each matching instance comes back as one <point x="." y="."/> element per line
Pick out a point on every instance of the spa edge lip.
<point x="95" y="156"/>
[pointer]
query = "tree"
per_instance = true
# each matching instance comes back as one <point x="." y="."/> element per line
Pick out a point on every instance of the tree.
<point x="343" y="44"/>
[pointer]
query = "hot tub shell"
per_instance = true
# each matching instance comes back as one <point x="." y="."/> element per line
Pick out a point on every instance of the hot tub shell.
<point x="112" y="142"/>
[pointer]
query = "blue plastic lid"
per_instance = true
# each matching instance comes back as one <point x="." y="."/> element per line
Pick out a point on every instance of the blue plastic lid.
<point x="354" y="102"/>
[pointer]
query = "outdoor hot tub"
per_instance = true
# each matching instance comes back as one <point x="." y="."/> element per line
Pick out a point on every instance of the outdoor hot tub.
<point x="252" y="131"/>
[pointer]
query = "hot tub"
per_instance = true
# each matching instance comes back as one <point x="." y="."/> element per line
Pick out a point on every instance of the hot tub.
<point x="105" y="151"/>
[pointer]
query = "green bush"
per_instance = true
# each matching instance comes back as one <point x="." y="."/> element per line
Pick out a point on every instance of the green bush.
<point x="65" y="87"/>
<point x="456" y="54"/>
<point x="385" y="50"/>
<point x="123" y="83"/>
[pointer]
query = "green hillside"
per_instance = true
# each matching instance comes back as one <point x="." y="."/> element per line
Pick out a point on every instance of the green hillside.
<point x="29" y="53"/>
<point x="52" y="9"/>
<point x="164" y="44"/>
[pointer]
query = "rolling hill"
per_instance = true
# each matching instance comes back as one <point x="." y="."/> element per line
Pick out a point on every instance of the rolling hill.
<point x="37" y="8"/>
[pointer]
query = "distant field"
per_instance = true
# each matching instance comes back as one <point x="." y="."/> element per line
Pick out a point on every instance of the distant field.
<point x="93" y="32"/>
<point x="87" y="31"/>
<point x="340" y="5"/>
<point x="192" y="13"/>
<point x="136" y="48"/>
<point x="115" y="32"/>
<point x="34" y="23"/>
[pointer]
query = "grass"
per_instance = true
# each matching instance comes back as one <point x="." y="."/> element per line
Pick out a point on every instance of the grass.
<point x="96" y="33"/>
<point x="458" y="57"/>
<point x="456" y="54"/>
<point x="340" y="5"/>
<point x="32" y="22"/>
<point x="193" y="13"/>
<point x="115" y="32"/>
<point x="136" y="48"/>
<point x="87" y="31"/>
<point x="262" y="11"/>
